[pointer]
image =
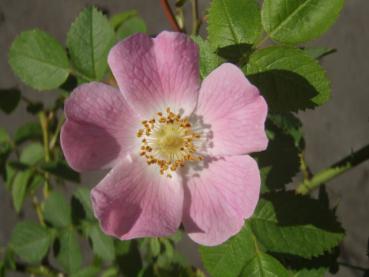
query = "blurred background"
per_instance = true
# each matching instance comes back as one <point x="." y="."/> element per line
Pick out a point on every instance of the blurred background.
<point x="331" y="132"/>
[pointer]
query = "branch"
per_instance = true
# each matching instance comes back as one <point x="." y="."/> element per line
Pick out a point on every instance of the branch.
<point x="169" y="15"/>
<point x="196" y="21"/>
<point x="335" y="170"/>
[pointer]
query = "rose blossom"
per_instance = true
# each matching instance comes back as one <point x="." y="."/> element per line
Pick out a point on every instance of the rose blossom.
<point x="178" y="150"/>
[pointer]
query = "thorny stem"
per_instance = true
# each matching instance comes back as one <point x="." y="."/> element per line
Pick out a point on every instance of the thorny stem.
<point x="353" y="266"/>
<point x="36" y="204"/>
<point x="54" y="138"/>
<point x="180" y="18"/>
<point x="45" y="136"/>
<point x="41" y="270"/>
<point x="26" y="100"/>
<point x="304" y="167"/>
<point x="196" y="21"/>
<point x="335" y="170"/>
<point x="169" y="15"/>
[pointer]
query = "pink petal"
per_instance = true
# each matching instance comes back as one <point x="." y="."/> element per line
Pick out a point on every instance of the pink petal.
<point x="219" y="197"/>
<point x="235" y="112"/>
<point x="154" y="74"/>
<point x="100" y="127"/>
<point x="133" y="201"/>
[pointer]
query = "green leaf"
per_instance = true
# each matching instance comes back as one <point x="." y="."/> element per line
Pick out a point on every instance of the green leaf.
<point x="69" y="254"/>
<point x="277" y="172"/>
<point x="28" y="131"/>
<point x="229" y="258"/>
<point x="264" y="265"/>
<point x="244" y="254"/>
<point x="320" y="272"/>
<point x="19" y="188"/>
<point x="5" y="150"/>
<point x="155" y="246"/>
<point x="289" y="124"/>
<point x="82" y="194"/>
<point x="295" y="225"/>
<point x="289" y="79"/>
<point x="9" y="99"/>
<point x="131" y="26"/>
<point x="128" y="258"/>
<point x="297" y="21"/>
<point x="30" y="241"/>
<point x="4" y="136"/>
<point x="233" y="22"/>
<point x="319" y="52"/>
<point x="39" y="60"/>
<point x="89" y="40"/>
<point x="62" y="170"/>
<point x="7" y="263"/>
<point x="209" y="60"/>
<point x="32" y="154"/>
<point x="57" y="211"/>
<point x="35" y="108"/>
<point x="118" y="19"/>
<point x="36" y="182"/>
<point x="9" y="175"/>
<point x="90" y="271"/>
<point x="102" y="245"/>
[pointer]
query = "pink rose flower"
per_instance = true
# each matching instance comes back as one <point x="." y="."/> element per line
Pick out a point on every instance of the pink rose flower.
<point x="177" y="149"/>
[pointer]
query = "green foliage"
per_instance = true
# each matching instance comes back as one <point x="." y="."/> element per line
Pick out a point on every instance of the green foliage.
<point x="297" y="21"/>
<point x="288" y="235"/>
<point x="89" y="271"/>
<point x="30" y="241"/>
<point x="295" y="225"/>
<point x="19" y="188"/>
<point x="57" y="210"/>
<point x="233" y="22"/>
<point x="127" y="23"/>
<point x="82" y="194"/>
<point x="118" y="19"/>
<point x="9" y="99"/>
<point x="319" y="52"/>
<point x="61" y="169"/>
<point x="230" y="258"/>
<point x="290" y="79"/>
<point x="69" y="254"/>
<point x="89" y="40"/>
<point x="264" y="265"/>
<point x="209" y="60"/>
<point x="28" y="131"/>
<point x="284" y="141"/>
<point x="5" y="150"/>
<point x="283" y="223"/>
<point x="102" y="245"/>
<point x="32" y="154"/>
<point x="39" y="60"/>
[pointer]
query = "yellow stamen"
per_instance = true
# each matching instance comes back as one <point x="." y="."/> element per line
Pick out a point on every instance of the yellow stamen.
<point x="168" y="141"/>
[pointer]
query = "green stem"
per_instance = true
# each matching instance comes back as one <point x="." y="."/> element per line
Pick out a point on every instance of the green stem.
<point x="304" y="168"/>
<point x="45" y="136"/>
<point x="196" y="21"/>
<point x="40" y="270"/>
<point x="335" y="170"/>
<point x="27" y="100"/>
<point x="353" y="266"/>
<point x="54" y="138"/>
<point x="37" y="206"/>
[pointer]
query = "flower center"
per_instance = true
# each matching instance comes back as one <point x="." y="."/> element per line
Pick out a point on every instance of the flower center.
<point x="168" y="141"/>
